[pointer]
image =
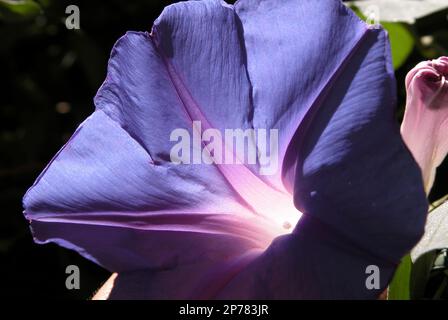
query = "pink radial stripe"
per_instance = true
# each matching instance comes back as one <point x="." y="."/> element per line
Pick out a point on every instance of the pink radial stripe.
<point x="263" y="200"/>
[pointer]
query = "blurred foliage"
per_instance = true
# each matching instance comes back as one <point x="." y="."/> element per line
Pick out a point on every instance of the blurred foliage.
<point x="399" y="288"/>
<point x="402" y="42"/>
<point x="18" y="10"/>
<point x="399" y="10"/>
<point x="49" y="77"/>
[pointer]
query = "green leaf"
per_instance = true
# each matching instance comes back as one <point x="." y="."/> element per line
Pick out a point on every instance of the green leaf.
<point x="18" y="10"/>
<point x="399" y="288"/>
<point x="401" y="40"/>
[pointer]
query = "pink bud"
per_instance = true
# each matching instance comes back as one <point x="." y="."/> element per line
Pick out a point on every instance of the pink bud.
<point x="425" y="124"/>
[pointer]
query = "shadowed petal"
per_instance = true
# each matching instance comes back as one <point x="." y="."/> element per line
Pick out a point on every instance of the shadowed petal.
<point x="114" y="177"/>
<point x="358" y="187"/>
<point x="354" y="172"/>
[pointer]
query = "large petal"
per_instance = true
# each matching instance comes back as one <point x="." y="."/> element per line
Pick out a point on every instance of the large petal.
<point x="295" y="50"/>
<point x="113" y="194"/>
<point x="356" y="183"/>
<point x="103" y="196"/>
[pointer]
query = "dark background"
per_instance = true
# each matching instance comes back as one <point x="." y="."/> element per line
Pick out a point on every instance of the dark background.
<point x="49" y="76"/>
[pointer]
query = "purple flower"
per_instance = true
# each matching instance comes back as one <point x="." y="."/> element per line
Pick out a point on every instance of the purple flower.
<point x="309" y="69"/>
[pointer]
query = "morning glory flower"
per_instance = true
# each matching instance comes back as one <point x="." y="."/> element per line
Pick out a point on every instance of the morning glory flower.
<point x="425" y="123"/>
<point x="347" y="197"/>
